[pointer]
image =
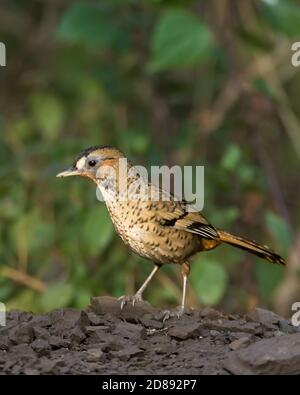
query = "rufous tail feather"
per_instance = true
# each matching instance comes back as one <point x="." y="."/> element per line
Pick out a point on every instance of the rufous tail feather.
<point x="251" y="246"/>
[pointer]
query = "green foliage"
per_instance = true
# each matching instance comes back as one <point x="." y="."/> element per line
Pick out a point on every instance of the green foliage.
<point x="89" y="24"/>
<point x="47" y="115"/>
<point x="180" y="40"/>
<point x="231" y="157"/>
<point x="279" y="230"/>
<point x="26" y="300"/>
<point x="284" y="16"/>
<point x="56" y="296"/>
<point x="268" y="278"/>
<point x="30" y="232"/>
<point x="97" y="229"/>
<point x="209" y="279"/>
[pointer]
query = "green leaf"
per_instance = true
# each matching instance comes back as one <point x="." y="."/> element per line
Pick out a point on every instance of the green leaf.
<point x="268" y="278"/>
<point x="6" y="288"/>
<point x="97" y="230"/>
<point x="48" y="114"/>
<point x="209" y="279"/>
<point x="56" y="296"/>
<point x="246" y="173"/>
<point x="225" y="217"/>
<point x="279" y="229"/>
<point x="133" y="141"/>
<point x="30" y="233"/>
<point x="89" y="24"/>
<point x="231" y="157"/>
<point x="283" y="16"/>
<point x="82" y="298"/>
<point x="22" y="128"/>
<point x="180" y="40"/>
<point x="26" y="301"/>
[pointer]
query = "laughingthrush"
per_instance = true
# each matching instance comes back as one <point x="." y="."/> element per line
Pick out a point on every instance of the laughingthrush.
<point x="163" y="229"/>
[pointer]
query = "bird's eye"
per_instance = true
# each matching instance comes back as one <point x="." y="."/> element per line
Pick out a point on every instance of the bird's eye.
<point x="92" y="163"/>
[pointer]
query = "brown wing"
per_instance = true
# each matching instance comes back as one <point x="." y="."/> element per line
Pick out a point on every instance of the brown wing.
<point x="175" y="214"/>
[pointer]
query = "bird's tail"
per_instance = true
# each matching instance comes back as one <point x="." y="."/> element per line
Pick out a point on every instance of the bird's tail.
<point x="251" y="246"/>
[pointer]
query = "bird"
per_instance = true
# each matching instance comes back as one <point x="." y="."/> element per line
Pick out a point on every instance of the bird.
<point x="154" y="224"/>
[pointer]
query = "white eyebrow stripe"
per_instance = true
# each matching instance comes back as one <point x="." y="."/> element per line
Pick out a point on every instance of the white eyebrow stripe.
<point x="80" y="163"/>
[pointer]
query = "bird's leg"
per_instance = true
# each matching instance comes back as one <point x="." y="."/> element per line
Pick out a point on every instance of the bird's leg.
<point x="178" y="311"/>
<point x="140" y="291"/>
<point x="185" y="271"/>
<point x="138" y="297"/>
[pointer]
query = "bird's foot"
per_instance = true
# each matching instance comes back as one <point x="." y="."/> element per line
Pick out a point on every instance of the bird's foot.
<point x="176" y="312"/>
<point x="130" y="299"/>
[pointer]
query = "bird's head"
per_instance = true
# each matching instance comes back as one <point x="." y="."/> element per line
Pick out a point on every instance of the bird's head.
<point x="90" y="162"/>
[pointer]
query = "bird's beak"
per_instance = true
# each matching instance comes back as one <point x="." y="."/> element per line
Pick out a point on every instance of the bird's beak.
<point x="69" y="172"/>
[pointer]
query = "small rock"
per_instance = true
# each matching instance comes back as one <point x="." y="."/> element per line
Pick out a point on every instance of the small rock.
<point x="8" y="365"/>
<point x="64" y="370"/>
<point x="234" y="326"/>
<point x="286" y="327"/>
<point x="94" y="319"/>
<point x="4" y="342"/>
<point x="40" y="346"/>
<point x="112" y="346"/>
<point x="165" y="349"/>
<point x="57" y="342"/>
<point x="130" y="331"/>
<point x="265" y="317"/>
<point x="107" y="304"/>
<point x="41" y="333"/>
<point x="269" y="334"/>
<point x="20" y="316"/>
<point x="64" y="320"/>
<point x="23" y="333"/>
<point x="239" y="343"/>
<point x="210" y="313"/>
<point x="279" y="355"/>
<point x="47" y="365"/>
<point x="148" y="321"/>
<point x="94" y="355"/>
<point x="236" y="335"/>
<point x="14" y="316"/>
<point x="184" y="332"/>
<point x="214" y="333"/>
<point x="77" y="335"/>
<point x="23" y="351"/>
<point x="101" y="328"/>
<point x="94" y="367"/>
<point x="278" y="333"/>
<point x="40" y="321"/>
<point x="127" y="353"/>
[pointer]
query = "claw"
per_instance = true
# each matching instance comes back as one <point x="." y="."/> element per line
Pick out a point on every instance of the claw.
<point x="177" y="312"/>
<point x="127" y="299"/>
<point x="123" y="301"/>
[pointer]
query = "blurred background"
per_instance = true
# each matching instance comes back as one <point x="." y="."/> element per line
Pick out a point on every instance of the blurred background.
<point x="168" y="82"/>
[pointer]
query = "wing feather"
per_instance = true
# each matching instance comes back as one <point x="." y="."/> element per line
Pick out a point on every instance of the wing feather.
<point x="177" y="216"/>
